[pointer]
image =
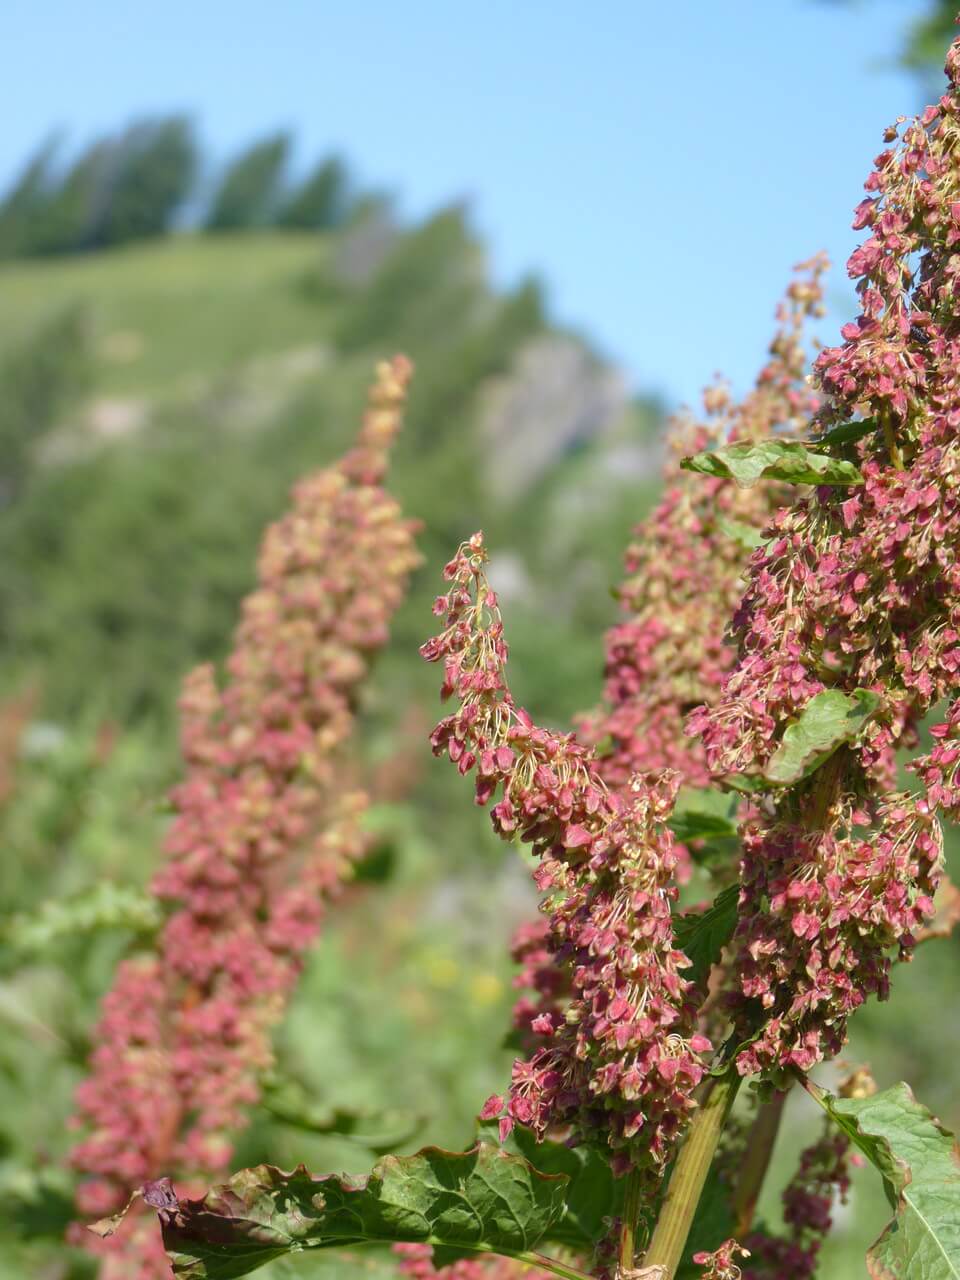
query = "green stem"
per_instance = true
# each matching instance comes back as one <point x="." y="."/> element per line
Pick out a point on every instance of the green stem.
<point x="826" y="787"/>
<point x="816" y="1093"/>
<point x="631" y="1216"/>
<point x="890" y="440"/>
<point x="756" y="1162"/>
<point x="690" y="1173"/>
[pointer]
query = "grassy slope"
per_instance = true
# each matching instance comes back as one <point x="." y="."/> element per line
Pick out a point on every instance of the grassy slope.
<point x="197" y="304"/>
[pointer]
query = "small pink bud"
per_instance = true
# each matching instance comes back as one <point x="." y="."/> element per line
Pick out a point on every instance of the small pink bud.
<point x="492" y="1107"/>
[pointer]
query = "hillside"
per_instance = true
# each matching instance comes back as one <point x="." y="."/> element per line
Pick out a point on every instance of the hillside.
<point x="220" y="367"/>
<point x="174" y="309"/>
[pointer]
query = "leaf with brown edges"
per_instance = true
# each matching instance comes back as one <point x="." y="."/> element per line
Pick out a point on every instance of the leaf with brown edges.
<point x="484" y="1200"/>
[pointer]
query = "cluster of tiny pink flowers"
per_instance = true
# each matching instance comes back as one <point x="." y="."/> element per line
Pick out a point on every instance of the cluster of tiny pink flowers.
<point x="860" y="588"/>
<point x="683" y="579"/>
<point x="539" y="975"/>
<point x="264" y="834"/>
<point x="416" y="1261"/>
<point x="895" y="353"/>
<point x="821" y="912"/>
<point x="720" y="1264"/>
<point x="684" y="566"/>
<point x="807" y="1202"/>
<point x="618" y="1065"/>
<point x="863" y="585"/>
<point x="939" y="768"/>
<point x="856" y="590"/>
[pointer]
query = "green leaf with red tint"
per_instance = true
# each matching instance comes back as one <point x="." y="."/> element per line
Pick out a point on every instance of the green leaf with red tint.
<point x="482" y="1200"/>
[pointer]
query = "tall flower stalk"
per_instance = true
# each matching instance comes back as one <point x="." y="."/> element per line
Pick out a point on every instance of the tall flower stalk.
<point x="265" y="832"/>
<point x="685" y="563"/>
<point x="618" y="1066"/>
<point x="684" y="571"/>
<point x="858" y="589"/>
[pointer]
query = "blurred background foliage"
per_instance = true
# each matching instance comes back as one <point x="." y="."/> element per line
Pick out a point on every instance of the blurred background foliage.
<point x="168" y="366"/>
<point x="929" y="36"/>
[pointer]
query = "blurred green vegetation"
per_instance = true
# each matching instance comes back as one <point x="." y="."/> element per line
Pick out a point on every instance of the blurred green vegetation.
<point x="249" y="191"/>
<point x="929" y="36"/>
<point x="156" y="402"/>
<point x="122" y="187"/>
<point x="926" y="38"/>
<point x="321" y="201"/>
<point x="177" y="315"/>
<point x="40" y="376"/>
<point x="142" y="183"/>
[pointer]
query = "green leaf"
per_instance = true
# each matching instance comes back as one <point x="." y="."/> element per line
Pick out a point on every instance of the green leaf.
<point x="702" y="935"/>
<point x="774" y="460"/>
<point x="593" y="1195"/>
<point x="845" y="433"/>
<point x="704" y="813"/>
<point x="745" y="783"/>
<point x="829" y="719"/>
<point x="717" y="853"/>
<point x="918" y="1160"/>
<point x="482" y="1200"/>
<point x="706" y="820"/>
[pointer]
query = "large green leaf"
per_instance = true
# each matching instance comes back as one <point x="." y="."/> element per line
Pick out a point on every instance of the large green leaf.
<point x="919" y="1162"/>
<point x="788" y="460"/>
<point x="593" y="1195"/>
<point x="744" y="783"/>
<point x="706" y="821"/>
<point x="718" y="855"/>
<point x="702" y="935"/>
<point x="829" y="719"/>
<point x="483" y="1200"/>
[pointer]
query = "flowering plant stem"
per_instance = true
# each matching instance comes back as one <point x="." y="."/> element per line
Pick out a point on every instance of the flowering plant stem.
<point x="632" y="1201"/>
<point x="756" y="1162"/>
<point x="816" y="1093"/>
<point x="690" y="1173"/>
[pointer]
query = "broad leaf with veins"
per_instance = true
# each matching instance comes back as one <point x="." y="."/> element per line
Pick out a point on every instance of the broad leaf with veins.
<point x="484" y="1200"/>
<point x="920" y="1164"/>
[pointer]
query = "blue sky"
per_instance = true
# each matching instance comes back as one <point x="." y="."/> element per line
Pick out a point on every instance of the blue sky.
<point x="660" y="166"/>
